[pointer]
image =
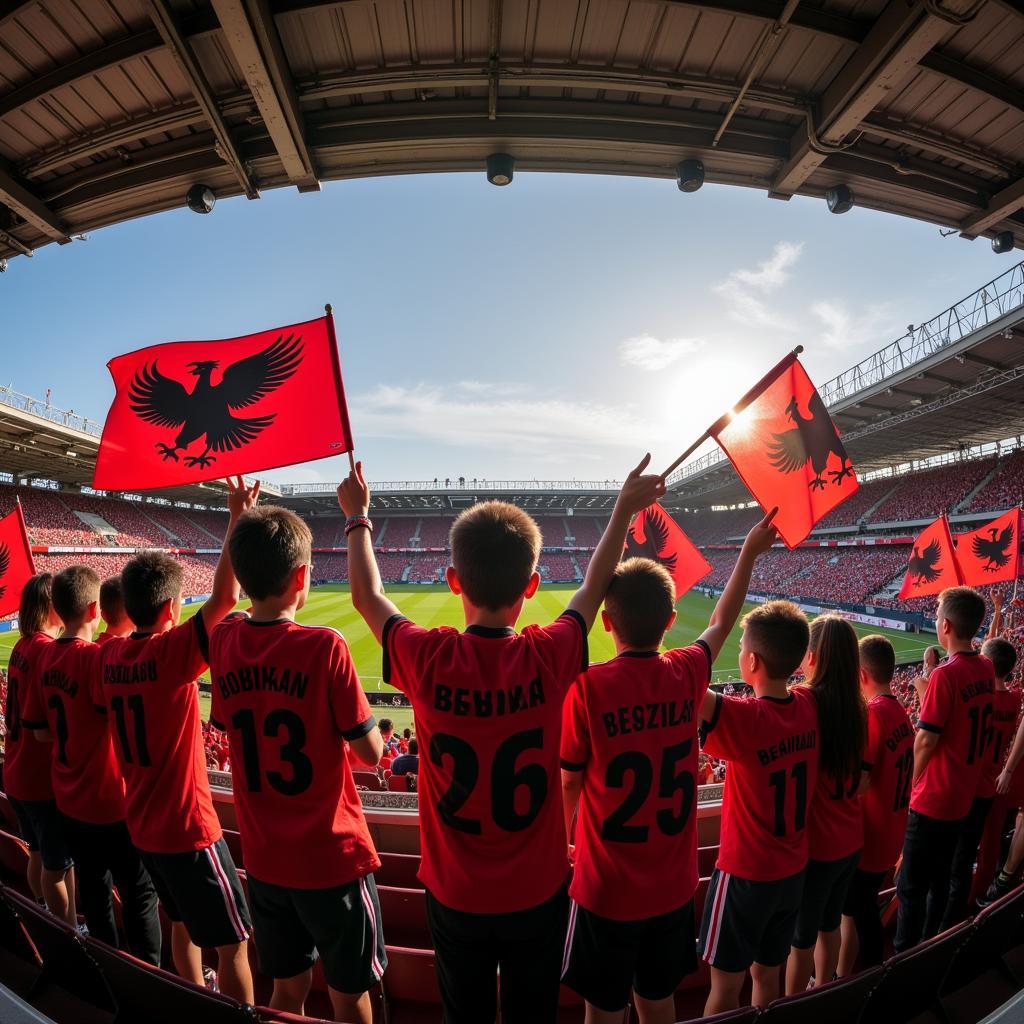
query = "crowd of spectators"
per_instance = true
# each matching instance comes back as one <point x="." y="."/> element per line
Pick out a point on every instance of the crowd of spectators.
<point x="1005" y="489"/>
<point x="926" y="494"/>
<point x="434" y="531"/>
<point x="558" y="568"/>
<point x="583" y="531"/>
<point x="859" y="503"/>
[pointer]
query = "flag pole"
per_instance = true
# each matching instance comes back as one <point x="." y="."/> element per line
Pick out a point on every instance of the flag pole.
<point x="24" y="533"/>
<point x="329" y="310"/>
<point x="752" y="395"/>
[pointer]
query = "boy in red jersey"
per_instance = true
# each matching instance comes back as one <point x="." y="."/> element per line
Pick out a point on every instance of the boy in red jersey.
<point x="949" y="753"/>
<point x="884" y="804"/>
<point x="150" y="690"/>
<point x="290" y="701"/>
<point x="27" y="761"/>
<point x="771" y="745"/>
<point x="117" y="623"/>
<point x="1005" y="712"/>
<point x="627" y="723"/>
<point x="87" y="781"/>
<point x="488" y="705"/>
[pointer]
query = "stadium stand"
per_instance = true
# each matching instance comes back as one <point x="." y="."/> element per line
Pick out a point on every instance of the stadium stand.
<point x="855" y="507"/>
<point x="1005" y="489"/>
<point x="558" y="568"/>
<point x="426" y="568"/>
<point x="583" y="531"/>
<point x="924" y="495"/>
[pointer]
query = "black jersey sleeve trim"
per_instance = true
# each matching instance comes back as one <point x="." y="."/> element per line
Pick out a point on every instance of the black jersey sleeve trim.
<point x="928" y="727"/>
<point x="202" y="637"/>
<point x="578" y="619"/>
<point x="714" y="715"/>
<point x="216" y="724"/>
<point x="31" y="724"/>
<point x="360" y="730"/>
<point x="571" y="766"/>
<point x="703" y="645"/>
<point x="385" y="640"/>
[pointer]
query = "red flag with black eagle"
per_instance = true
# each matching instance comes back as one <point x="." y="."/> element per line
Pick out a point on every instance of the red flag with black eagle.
<point x="656" y="535"/>
<point x="933" y="564"/>
<point x="188" y="411"/>
<point x="786" y="449"/>
<point x="16" y="564"/>
<point x="991" y="553"/>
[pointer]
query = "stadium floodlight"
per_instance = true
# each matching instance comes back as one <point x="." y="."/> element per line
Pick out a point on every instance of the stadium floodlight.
<point x="500" y="167"/>
<point x="840" y="199"/>
<point x="1003" y="242"/>
<point x="690" y="175"/>
<point x="3" y="266"/>
<point x="200" y="199"/>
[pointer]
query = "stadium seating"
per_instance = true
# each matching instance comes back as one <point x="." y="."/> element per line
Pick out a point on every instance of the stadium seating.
<point x="584" y="531"/>
<point x="427" y="568"/>
<point x="924" y="495"/>
<point x="854" y="508"/>
<point x="838" y="1002"/>
<point x="552" y="531"/>
<point x="404" y="912"/>
<point x="434" y="532"/>
<point x="558" y="568"/>
<point x="1005" y="489"/>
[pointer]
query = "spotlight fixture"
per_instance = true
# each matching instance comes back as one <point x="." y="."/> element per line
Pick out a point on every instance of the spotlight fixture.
<point x="1003" y="242"/>
<point x="690" y="175"/>
<point x="500" y="167"/>
<point x="3" y="266"/>
<point x="839" y="199"/>
<point x="200" y="199"/>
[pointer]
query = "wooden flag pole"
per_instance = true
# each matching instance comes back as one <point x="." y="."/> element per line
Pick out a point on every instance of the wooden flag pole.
<point x="754" y="393"/>
<point x="329" y="310"/>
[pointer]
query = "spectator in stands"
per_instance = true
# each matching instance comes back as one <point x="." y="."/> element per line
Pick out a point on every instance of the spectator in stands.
<point x="387" y="734"/>
<point x="112" y="610"/>
<point x="405" y="764"/>
<point x="932" y="657"/>
<point x="835" y="826"/>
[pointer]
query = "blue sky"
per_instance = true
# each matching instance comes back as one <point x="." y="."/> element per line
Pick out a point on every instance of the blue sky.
<point x="556" y="328"/>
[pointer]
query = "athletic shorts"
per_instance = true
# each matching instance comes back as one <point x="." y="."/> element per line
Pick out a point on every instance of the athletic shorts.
<point x="341" y="925"/>
<point x="605" y="960"/>
<point x="42" y="828"/>
<point x="201" y="889"/>
<point x="826" y="883"/>
<point x="749" y="922"/>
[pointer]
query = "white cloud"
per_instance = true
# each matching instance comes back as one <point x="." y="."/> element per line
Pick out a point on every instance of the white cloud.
<point x="650" y="353"/>
<point x="845" y="330"/>
<point x="743" y="288"/>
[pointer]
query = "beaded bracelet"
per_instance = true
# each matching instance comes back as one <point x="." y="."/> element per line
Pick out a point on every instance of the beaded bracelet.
<point x="354" y="522"/>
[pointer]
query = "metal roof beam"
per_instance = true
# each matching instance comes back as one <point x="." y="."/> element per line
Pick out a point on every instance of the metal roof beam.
<point x="251" y="36"/>
<point x="999" y="207"/>
<point x="973" y="357"/>
<point x="167" y="25"/>
<point x="900" y="37"/>
<point x="30" y="207"/>
<point x="18" y="246"/>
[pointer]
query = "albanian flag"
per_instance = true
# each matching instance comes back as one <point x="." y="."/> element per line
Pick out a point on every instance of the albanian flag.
<point x="933" y="564"/>
<point x="16" y="565"/>
<point x="188" y="411"/>
<point x="786" y="449"/>
<point x="991" y="554"/>
<point x="656" y="535"/>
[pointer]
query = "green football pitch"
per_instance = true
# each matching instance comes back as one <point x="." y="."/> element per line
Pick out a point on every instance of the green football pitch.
<point x="435" y="606"/>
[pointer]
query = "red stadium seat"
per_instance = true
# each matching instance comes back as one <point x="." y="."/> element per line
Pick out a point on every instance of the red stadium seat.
<point x="839" y="1002"/>
<point x="8" y="819"/>
<point x="404" y="913"/>
<point x="234" y="841"/>
<point x="20" y="962"/>
<point x="912" y="982"/>
<point x="410" y="986"/>
<point x="399" y="870"/>
<point x="706" y="857"/>
<point x="14" y="863"/>
<point x="368" y="780"/>
<point x="398" y="783"/>
<point x="744" y="1015"/>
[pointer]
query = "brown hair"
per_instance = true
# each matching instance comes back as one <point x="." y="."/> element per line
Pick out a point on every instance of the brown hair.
<point x="112" y="601"/>
<point x="964" y="609"/>
<point x="777" y="633"/>
<point x="640" y="600"/>
<point x="1002" y="655"/>
<point x="495" y="547"/>
<point x="835" y="683"/>
<point x="35" y="605"/>
<point x="877" y="658"/>
<point x="267" y="545"/>
<point x="74" y="589"/>
<point x="148" y="582"/>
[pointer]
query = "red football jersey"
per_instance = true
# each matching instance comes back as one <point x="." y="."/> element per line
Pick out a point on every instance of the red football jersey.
<point x="630" y="725"/>
<point x="958" y="705"/>
<point x="835" y="827"/>
<point x="1005" y="712"/>
<point x="771" y="745"/>
<point x="65" y="694"/>
<point x="149" y="683"/>
<point x="488" y="706"/>
<point x="887" y="800"/>
<point x="105" y="637"/>
<point x="288" y="697"/>
<point x="26" y="760"/>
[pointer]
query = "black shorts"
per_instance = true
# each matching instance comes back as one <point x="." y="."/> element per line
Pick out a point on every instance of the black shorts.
<point x="749" y="922"/>
<point x="42" y="828"/>
<point x="202" y="890"/>
<point x="605" y="960"/>
<point x="341" y="924"/>
<point x="826" y="883"/>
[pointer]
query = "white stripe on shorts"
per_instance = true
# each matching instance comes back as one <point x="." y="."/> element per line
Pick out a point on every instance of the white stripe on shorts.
<point x="226" y="892"/>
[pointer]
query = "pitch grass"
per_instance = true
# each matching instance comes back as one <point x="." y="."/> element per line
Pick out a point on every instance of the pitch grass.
<point x="436" y="606"/>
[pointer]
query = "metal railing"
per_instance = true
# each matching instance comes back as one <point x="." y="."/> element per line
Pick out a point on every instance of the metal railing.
<point x="449" y="486"/>
<point x="44" y="410"/>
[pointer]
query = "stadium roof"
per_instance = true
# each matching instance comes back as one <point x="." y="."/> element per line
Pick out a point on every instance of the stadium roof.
<point x="111" y="110"/>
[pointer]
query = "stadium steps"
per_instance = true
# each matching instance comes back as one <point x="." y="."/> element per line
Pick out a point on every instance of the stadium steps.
<point x="380" y="534"/>
<point x="569" y="531"/>
<point x="176" y="541"/>
<point x="414" y="540"/>
<point x="866" y="517"/>
<point x="576" y="568"/>
<point x="983" y="482"/>
<point x="219" y="541"/>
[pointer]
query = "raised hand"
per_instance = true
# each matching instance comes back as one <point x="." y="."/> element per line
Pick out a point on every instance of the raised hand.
<point x="354" y="493"/>
<point x="640" y="489"/>
<point x="763" y="535"/>
<point x="241" y="497"/>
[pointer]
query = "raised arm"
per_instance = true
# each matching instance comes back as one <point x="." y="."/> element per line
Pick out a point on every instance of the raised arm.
<point x="995" y="627"/>
<point x="367" y="590"/>
<point x="224" y="597"/>
<point x="730" y="604"/>
<point x="639" y="491"/>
